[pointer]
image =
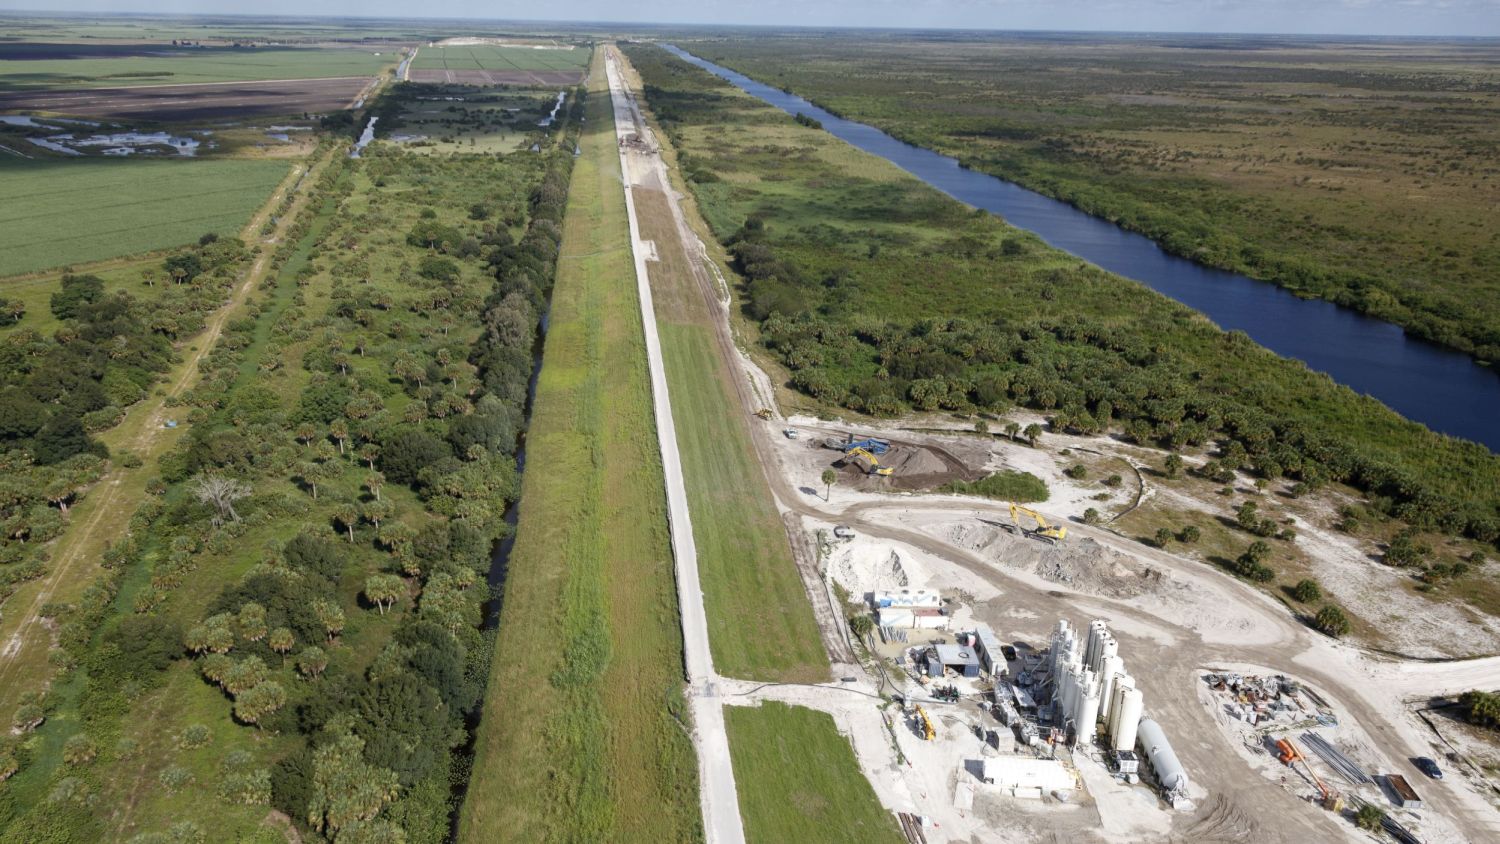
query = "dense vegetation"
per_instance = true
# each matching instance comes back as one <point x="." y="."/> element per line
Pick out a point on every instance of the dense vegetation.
<point x="106" y="351"/>
<point x="1481" y="708"/>
<point x="881" y="295"/>
<point x="294" y="620"/>
<point x="1344" y="170"/>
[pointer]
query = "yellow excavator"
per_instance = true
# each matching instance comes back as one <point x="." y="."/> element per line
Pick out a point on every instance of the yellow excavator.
<point x="928" y="731"/>
<point x="1054" y="534"/>
<point x="871" y="461"/>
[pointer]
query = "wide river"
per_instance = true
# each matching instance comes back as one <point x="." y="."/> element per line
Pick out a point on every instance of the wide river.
<point x="1442" y="389"/>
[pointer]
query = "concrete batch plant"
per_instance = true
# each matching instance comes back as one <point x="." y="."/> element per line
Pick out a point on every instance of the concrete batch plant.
<point x="1096" y="698"/>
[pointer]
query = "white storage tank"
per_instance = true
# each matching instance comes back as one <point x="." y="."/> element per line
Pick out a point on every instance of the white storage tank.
<point x="1086" y="710"/>
<point x="1123" y="730"/>
<point x="1169" y="772"/>
<point x="1112" y="667"/>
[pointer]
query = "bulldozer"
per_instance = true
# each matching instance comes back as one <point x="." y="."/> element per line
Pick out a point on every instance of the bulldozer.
<point x="1289" y="755"/>
<point x="869" y="462"/>
<point x="764" y="413"/>
<point x="1054" y="534"/>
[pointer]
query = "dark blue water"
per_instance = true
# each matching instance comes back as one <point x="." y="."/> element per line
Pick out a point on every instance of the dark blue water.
<point x="1442" y="389"/>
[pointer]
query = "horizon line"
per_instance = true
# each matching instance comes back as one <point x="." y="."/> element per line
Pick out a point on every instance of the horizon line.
<point x="56" y="13"/>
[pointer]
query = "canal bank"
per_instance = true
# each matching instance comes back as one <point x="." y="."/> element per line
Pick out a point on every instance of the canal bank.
<point x="1442" y="389"/>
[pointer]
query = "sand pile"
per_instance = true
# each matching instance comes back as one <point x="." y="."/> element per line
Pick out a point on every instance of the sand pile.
<point x="863" y="566"/>
<point x="1080" y="563"/>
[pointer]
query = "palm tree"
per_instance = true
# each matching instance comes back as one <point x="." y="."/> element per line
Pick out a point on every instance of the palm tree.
<point x="374" y="482"/>
<point x="830" y="477"/>
<point x="331" y="616"/>
<point x="383" y="590"/>
<point x="1011" y="429"/>
<point x="1032" y="432"/>
<point x="339" y="430"/>
<point x="282" y="640"/>
<point x="312" y="661"/>
<point x="347" y="515"/>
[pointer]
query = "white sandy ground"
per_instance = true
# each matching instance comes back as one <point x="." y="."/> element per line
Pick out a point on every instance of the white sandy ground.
<point x="1189" y="605"/>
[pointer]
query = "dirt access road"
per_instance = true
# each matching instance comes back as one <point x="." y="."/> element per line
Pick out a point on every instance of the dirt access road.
<point x="1167" y="644"/>
<point x="718" y="796"/>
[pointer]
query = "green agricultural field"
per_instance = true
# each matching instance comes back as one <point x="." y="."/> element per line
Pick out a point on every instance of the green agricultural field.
<point x="73" y="212"/>
<point x="48" y="66"/>
<point x="583" y="735"/>
<point x="501" y="57"/>
<point x="798" y="779"/>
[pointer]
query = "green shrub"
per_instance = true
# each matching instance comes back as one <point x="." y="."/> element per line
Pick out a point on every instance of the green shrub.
<point x="1007" y="485"/>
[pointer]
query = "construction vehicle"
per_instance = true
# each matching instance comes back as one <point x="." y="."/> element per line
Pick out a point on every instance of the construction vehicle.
<point x="764" y="413"/>
<point x="869" y="444"/>
<point x="869" y="462"/>
<point x="929" y="732"/>
<point x="848" y="444"/>
<point x="1054" y="534"/>
<point x="1289" y="755"/>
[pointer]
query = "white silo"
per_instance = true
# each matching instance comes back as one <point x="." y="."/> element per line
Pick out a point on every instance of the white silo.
<point x="1111" y="667"/>
<point x="1108" y="647"/>
<point x="1127" y="720"/>
<point x="1097" y="629"/>
<point x="1117" y="688"/>
<point x="1086" y="708"/>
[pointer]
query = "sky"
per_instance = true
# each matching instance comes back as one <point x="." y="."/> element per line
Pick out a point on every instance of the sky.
<point x="1352" y="17"/>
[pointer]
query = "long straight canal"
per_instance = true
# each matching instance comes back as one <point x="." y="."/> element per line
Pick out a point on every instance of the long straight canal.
<point x="1441" y="388"/>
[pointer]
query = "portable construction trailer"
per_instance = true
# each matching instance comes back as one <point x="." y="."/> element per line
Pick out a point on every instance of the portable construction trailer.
<point x="962" y="659"/>
<point x="911" y="618"/>
<point x="990" y="654"/>
<point x="908" y="598"/>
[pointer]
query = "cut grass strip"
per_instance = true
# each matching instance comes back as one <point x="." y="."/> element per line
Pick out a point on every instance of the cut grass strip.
<point x="761" y="623"/>
<point x="582" y="737"/>
<point x="799" y="781"/>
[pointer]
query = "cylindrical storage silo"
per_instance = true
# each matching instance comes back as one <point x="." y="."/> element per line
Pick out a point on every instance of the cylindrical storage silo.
<point x="1096" y="629"/>
<point x="1112" y="666"/>
<point x="1117" y="689"/>
<point x="1169" y="772"/>
<point x="1086" y="711"/>
<point x="1108" y="647"/>
<point x="1127" y="720"/>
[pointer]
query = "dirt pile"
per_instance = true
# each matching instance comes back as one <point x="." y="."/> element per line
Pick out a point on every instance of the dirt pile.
<point x="863" y="566"/>
<point x="1082" y="564"/>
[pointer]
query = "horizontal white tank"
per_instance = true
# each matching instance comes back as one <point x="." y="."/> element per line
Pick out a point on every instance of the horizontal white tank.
<point x="1169" y="772"/>
<point x="1122" y="733"/>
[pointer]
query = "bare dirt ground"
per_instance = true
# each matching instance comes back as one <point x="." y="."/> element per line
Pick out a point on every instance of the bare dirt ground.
<point x="542" y="78"/>
<point x="173" y="103"/>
